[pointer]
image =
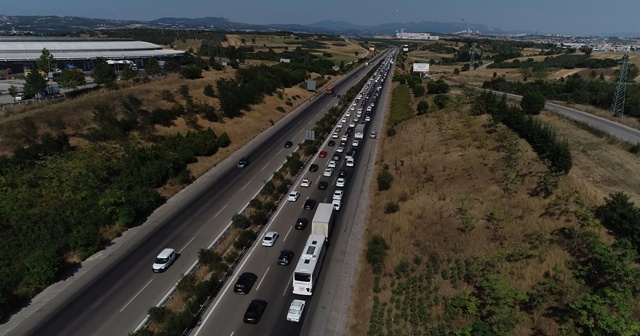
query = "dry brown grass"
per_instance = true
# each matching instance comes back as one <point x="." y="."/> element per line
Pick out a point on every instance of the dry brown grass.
<point x="449" y="164"/>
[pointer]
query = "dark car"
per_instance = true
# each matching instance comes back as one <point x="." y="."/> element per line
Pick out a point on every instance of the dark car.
<point x="285" y="257"/>
<point x="309" y="204"/>
<point x="243" y="162"/>
<point x="342" y="173"/>
<point x="323" y="185"/>
<point x="301" y="223"/>
<point x="254" y="311"/>
<point x="245" y="282"/>
<point x="336" y="156"/>
<point x="331" y="143"/>
<point x="288" y="144"/>
<point x="314" y="168"/>
<point x="343" y="143"/>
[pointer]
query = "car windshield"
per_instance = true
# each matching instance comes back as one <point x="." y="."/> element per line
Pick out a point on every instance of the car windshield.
<point x="162" y="260"/>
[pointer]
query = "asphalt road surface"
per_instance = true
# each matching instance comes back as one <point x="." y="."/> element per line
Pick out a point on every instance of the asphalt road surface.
<point x="112" y="292"/>
<point x="274" y="283"/>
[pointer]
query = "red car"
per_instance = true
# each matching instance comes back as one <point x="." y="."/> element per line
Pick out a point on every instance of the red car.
<point x="322" y="154"/>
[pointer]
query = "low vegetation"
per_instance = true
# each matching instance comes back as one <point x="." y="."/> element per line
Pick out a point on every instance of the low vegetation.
<point x="474" y="249"/>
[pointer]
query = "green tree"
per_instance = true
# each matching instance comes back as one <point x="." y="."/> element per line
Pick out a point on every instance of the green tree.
<point x="423" y="107"/>
<point x="128" y="73"/>
<point x="384" y="179"/>
<point x="192" y="72"/>
<point x="46" y="61"/>
<point x="441" y="100"/>
<point x="532" y="102"/>
<point x="35" y="83"/>
<point x="208" y="91"/>
<point x="103" y="73"/>
<point x="153" y="67"/>
<point x="13" y="91"/>
<point x="71" y="79"/>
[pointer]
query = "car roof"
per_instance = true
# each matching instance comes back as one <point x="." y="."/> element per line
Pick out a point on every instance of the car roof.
<point x="166" y="253"/>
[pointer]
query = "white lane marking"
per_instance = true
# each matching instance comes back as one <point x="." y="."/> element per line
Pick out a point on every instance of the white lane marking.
<point x="133" y="298"/>
<point x="187" y="244"/>
<point x="265" y="166"/>
<point x="233" y="332"/>
<point x="238" y="269"/>
<point x="217" y="213"/>
<point x="263" y="277"/>
<point x="287" y="235"/>
<point x="246" y="185"/>
<point x="290" y="283"/>
<point x="280" y="151"/>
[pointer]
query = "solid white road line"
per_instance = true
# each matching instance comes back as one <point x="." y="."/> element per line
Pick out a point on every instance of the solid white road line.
<point x="133" y="298"/>
<point x="290" y="282"/>
<point x="246" y="185"/>
<point x="287" y="235"/>
<point x="265" y="166"/>
<point x="263" y="277"/>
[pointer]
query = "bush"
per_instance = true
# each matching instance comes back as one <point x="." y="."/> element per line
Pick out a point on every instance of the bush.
<point x="183" y="91"/>
<point x="209" y="257"/>
<point x="157" y="314"/>
<point x="259" y="217"/>
<point x="532" y="102"/>
<point x="192" y="72"/>
<point x="240" y="221"/>
<point x="376" y="252"/>
<point x="391" y="131"/>
<point x="437" y="87"/>
<point x="208" y="91"/>
<point x="223" y="141"/>
<point x="244" y="239"/>
<point x="423" y="107"/>
<point x="440" y="101"/>
<point x="391" y="207"/>
<point x="384" y="179"/>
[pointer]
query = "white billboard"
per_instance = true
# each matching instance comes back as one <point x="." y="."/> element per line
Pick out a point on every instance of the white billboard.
<point x="405" y="49"/>
<point x="420" y="67"/>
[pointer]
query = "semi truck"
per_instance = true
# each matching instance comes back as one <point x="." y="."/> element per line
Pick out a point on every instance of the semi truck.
<point x="321" y="223"/>
<point x="359" y="131"/>
<point x="331" y="90"/>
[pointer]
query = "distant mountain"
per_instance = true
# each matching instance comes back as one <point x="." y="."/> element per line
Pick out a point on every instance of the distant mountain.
<point x="50" y="25"/>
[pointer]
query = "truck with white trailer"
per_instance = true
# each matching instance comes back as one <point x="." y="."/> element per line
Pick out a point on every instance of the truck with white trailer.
<point x="321" y="223"/>
<point x="359" y="133"/>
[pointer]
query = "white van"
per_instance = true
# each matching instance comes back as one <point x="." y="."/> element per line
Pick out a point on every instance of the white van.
<point x="350" y="162"/>
<point x="164" y="260"/>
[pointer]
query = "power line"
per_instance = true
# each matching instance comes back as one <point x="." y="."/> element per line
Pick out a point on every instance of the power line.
<point x="617" y="107"/>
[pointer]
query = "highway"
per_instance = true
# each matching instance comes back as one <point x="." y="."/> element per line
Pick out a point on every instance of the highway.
<point x="274" y="283"/>
<point x="112" y="292"/>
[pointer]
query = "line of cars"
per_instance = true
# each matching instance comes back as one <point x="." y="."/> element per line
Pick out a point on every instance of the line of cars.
<point x="343" y="149"/>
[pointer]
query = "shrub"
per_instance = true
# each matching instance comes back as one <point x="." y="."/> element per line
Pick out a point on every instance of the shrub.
<point x="280" y="109"/>
<point x="532" y="102"/>
<point x="183" y="90"/>
<point x="209" y="257"/>
<point x="437" y="87"/>
<point x="376" y="252"/>
<point x="423" y="107"/>
<point x="192" y="72"/>
<point x="441" y="100"/>
<point x="240" y="221"/>
<point x="391" y="131"/>
<point x="391" y="207"/>
<point x="244" y="239"/>
<point x="208" y="91"/>
<point x="223" y="140"/>
<point x="384" y="179"/>
<point x="157" y="314"/>
<point x="259" y="217"/>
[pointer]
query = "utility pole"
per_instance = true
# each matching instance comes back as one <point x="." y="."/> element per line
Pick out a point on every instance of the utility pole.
<point x="617" y="107"/>
<point x="472" y="59"/>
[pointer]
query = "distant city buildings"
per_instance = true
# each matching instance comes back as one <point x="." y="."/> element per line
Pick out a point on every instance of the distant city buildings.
<point x="416" y="36"/>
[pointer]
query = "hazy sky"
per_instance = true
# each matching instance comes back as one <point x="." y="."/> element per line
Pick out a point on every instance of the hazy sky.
<point x="550" y="16"/>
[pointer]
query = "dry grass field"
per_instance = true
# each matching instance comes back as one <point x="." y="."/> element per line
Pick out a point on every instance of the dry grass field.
<point x="463" y="189"/>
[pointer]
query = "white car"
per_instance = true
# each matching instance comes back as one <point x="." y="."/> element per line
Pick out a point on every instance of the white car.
<point x="328" y="172"/>
<point x="293" y="196"/>
<point x="355" y="143"/>
<point x="331" y="164"/>
<point x="344" y="120"/>
<point x="335" y="135"/>
<point x="340" y="149"/>
<point x="350" y="162"/>
<point x="345" y="137"/>
<point x="336" y="204"/>
<point x="337" y="195"/>
<point x="164" y="260"/>
<point x="368" y="108"/>
<point x="295" y="311"/>
<point x="269" y="238"/>
<point x="367" y="118"/>
<point x="373" y="135"/>
<point x="340" y="182"/>
<point x="352" y="124"/>
<point x="306" y="182"/>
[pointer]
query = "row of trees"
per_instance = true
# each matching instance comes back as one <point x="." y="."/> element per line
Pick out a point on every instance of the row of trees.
<point x="251" y="84"/>
<point x="541" y="136"/>
<point x="567" y="61"/>
<point x="573" y="89"/>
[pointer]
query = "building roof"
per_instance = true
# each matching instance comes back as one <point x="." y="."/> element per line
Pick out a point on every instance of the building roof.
<point x="26" y="49"/>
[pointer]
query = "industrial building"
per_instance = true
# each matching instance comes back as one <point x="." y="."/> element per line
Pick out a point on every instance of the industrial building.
<point x="416" y="36"/>
<point x="19" y="53"/>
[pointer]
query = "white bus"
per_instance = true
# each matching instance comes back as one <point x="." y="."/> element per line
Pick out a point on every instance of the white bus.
<point x="306" y="273"/>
